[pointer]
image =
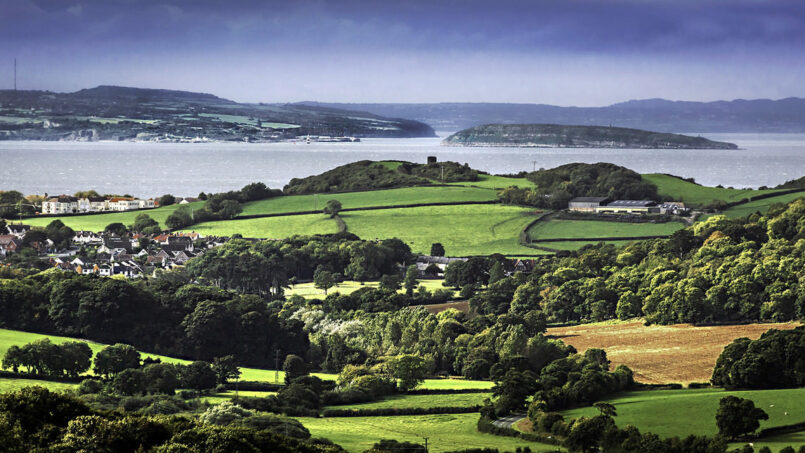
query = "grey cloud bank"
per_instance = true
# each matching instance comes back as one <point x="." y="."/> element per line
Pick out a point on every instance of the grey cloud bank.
<point x="563" y="52"/>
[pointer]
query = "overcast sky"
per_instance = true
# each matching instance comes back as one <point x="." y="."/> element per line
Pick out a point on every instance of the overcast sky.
<point x="565" y="52"/>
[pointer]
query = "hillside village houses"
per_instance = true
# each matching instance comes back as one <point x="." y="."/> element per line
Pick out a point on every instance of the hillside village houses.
<point x="66" y="204"/>
<point x="108" y="255"/>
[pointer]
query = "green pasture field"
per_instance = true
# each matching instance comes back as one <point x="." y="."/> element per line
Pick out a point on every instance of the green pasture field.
<point x="269" y="227"/>
<point x="496" y="182"/>
<point x="680" y="413"/>
<point x="349" y="200"/>
<point x="237" y="119"/>
<point x="445" y="432"/>
<point x="776" y="443"/>
<point x="12" y="384"/>
<point x="695" y="195"/>
<point x="220" y="397"/>
<point x="426" y="401"/>
<point x="279" y="125"/>
<point x="561" y="229"/>
<point x="455" y="384"/>
<point x="309" y="291"/>
<point x="97" y="222"/>
<point x="763" y="206"/>
<point x="464" y="230"/>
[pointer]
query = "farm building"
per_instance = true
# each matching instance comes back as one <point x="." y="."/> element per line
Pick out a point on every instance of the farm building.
<point x="629" y="207"/>
<point x="586" y="204"/>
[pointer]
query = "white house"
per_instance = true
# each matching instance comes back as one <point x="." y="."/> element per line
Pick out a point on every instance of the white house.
<point x="123" y="204"/>
<point x="63" y="204"/>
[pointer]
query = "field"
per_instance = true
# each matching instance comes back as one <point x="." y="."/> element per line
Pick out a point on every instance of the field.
<point x="693" y="411"/>
<point x="349" y="200"/>
<point x="11" y="384"/>
<point x="464" y="230"/>
<point x="445" y="432"/>
<point x="661" y="354"/>
<point x="308" y="290"/>
<point x="745" y="209"/>
<point x="269" y="227"/>
<point x="572" y="229"/>
<point x="695" y="195"/>
<point x="496" y="182"/>
<point x="97" y="222"/>
<point x="411" y="401"/>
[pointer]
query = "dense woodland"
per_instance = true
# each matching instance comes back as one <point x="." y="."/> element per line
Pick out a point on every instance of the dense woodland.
<point x="370" y="175"/>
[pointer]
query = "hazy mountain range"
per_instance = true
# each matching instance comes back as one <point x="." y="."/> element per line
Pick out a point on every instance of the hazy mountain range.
<point x="759" y="115"/>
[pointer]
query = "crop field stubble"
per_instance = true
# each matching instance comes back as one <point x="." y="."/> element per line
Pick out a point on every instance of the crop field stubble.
<point x="680" y="353"/>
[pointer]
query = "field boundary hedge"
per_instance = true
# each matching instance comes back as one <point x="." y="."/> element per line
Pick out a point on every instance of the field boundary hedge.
<point x="763" y="196"/>
<point x="366" y="208"/>
<point x="777" y="430"/>
<point x="603" y="239"/>
<point x="391" y="411"/>
<point x="254" y="386"/>
<point x="445" y="391"/>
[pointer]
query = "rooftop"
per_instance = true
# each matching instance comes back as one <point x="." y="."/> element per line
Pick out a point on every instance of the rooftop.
<point x="632" y="203"/>
<point x="589" y="199"/>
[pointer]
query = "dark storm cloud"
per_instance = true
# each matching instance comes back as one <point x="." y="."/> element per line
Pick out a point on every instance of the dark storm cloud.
<point x="428" y="39"/>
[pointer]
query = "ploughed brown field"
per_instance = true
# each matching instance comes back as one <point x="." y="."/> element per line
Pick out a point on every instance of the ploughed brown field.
<point x="661" y="354"/>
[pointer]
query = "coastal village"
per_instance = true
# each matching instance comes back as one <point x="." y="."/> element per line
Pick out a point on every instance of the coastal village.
<point x="136" y="255"/>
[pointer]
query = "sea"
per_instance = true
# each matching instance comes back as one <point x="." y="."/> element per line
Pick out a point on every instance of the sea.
<point x="147" y="169"/>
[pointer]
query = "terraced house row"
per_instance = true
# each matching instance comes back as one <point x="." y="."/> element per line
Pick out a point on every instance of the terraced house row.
<point x="66" y="204"/>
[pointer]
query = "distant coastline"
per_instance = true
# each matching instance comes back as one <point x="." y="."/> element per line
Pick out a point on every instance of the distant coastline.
<point x="562" y="136"/>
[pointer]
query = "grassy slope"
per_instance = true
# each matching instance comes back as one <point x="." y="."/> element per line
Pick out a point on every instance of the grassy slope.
<point x="463" y="230"/>
<point x="683" y="412"/>
<point x="496" y="182"/>
<point x="412" y="401"/>
<point x="97" y="222"/>
<point x="269" y="227"/>
<point x="390" y="197"/>
<point x="308" y="290"/>
<point x="445" y="432"/>
<point x="694" y="194"/>
<point x="760" y="205"/>
<point x="596" y="229"/>
<point x="10" y="384"/>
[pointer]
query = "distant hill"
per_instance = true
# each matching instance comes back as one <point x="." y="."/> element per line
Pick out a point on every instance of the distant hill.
<point x="561" y="136"/>
<point x="759" y="115"/>
<point x="124" y="113"/>
<point x="371" y="175"/>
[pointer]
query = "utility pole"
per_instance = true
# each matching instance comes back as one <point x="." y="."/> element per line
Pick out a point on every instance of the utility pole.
<point x="426" y="443"/>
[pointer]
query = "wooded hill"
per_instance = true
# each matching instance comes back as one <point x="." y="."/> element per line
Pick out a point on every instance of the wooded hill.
<point x="561" y="136"/>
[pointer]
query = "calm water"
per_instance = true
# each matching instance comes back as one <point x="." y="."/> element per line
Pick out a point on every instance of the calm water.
<point x="150" y="169"/>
